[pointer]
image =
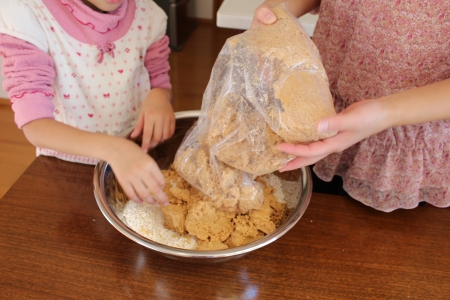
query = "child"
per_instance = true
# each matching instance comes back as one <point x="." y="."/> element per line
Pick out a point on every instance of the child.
<point x="392" y="151"/>
<point x="80" y="72"/>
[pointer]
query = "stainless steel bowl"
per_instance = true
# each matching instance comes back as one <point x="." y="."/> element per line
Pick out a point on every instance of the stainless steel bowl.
<point x="164" y="155"/>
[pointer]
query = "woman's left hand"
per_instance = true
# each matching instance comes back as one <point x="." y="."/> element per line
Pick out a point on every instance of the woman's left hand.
<point x="156" y="119"/>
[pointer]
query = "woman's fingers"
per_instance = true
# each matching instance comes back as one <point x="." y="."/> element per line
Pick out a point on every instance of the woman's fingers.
<point x="263" y="15"/>
<point x="319" y="148"/>
<point x="300" y="162"/>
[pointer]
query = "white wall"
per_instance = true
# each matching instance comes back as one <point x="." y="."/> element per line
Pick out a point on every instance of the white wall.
<point x="201" y="9"/>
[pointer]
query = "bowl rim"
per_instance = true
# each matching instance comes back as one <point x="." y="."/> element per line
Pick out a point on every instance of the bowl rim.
<point x="99" y="187"/>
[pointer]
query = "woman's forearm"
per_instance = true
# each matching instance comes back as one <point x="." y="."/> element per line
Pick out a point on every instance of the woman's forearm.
<point x="54" y="135"/>
<point x="297" y="7"/>
<point x="419" y="105"/>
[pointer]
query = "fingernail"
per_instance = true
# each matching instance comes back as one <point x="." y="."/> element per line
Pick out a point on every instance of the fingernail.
<point x="323" y="127"/>
<point x="270" y="18"/>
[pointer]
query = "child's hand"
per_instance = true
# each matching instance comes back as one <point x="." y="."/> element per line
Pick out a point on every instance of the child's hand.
<point x="263" y="15"/>
<point x="357" y="122"/>
<point x="136" y="171"/>
<point x="138" y="174"/>
<point x="156" y="119"/>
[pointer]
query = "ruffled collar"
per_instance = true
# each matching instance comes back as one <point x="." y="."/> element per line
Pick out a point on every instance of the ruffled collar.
<point x="98" y="21"/>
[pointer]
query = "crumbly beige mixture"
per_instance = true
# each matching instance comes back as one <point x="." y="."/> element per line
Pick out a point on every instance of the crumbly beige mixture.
<point x="302" y="92"/>
<point x="231" y="191"/>
<point x="255" y="152"/>
<point x="299" y="78"/>
<point x="191" y="212"/>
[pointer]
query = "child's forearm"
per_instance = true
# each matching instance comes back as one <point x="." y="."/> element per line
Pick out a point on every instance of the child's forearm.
<point x="54" y="135"/>
<point x="297" y="7"/>
<point x="419" y="105"/>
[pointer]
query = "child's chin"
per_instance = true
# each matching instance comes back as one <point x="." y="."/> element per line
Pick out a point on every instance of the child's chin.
<point x="109" y="5"/>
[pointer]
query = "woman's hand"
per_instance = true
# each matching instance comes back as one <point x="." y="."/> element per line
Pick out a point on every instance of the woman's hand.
<point x="357" y="122"/>
<point x="263" y="15"/>
<point x="156" y="119"/>
<point x="138" y="174"/>
<point x="362" y="119"/>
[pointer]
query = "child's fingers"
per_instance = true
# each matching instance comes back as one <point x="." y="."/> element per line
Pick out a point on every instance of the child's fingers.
<point x="169" y="127"/>
<point x="160" y="197"/>
<point x="148" y="134"/>
<point x="172" y="126"/>
<point x="156" y="175"/>
<point x="130" y="192"/>
<point x="164" y="129"/>
<point x="144" y="193"/>
<point x="158" y="129"/>
<point x="138" y="127"/>
<point x="155" y="190"/>
<point x="149" y="186"/>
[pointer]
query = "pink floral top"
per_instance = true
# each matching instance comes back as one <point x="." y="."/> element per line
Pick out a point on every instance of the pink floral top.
<point x="375" y="48"/>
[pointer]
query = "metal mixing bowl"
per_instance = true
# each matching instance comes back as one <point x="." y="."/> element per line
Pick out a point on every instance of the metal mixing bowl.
<point x="164" y="155"/>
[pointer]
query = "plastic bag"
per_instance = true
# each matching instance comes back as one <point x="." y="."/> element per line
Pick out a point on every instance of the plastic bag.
<point x="267" y="86"/>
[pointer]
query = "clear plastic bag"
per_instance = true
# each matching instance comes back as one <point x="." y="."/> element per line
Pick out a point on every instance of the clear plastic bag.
<point x="267" y="86"/>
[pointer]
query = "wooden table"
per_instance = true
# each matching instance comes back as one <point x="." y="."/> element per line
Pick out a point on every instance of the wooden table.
<point x="55" y="243"/>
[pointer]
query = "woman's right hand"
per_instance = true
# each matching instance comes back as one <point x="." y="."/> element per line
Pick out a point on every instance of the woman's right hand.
<point x="263" y="15"/>
<point x="138" y="174"/>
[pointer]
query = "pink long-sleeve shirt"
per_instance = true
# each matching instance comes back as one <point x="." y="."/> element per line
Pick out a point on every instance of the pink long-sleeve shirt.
<point x="29" y="72"/>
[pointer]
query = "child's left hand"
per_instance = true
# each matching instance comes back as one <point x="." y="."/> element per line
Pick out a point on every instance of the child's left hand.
<point x="156" y="119"/>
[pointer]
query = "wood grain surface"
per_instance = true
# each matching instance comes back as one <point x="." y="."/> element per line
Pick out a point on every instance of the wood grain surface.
<point x="56" y="244"/>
